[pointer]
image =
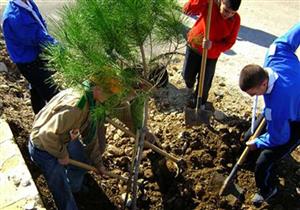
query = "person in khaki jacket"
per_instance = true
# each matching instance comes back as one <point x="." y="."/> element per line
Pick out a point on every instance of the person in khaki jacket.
<point x="65" y="129"/>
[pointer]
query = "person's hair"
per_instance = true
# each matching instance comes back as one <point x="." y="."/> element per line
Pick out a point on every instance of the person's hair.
<point x="234" y="4"/>
<point x="252" y="76"/>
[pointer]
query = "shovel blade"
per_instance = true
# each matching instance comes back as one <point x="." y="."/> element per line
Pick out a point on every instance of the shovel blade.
<point x="196" y="117"/>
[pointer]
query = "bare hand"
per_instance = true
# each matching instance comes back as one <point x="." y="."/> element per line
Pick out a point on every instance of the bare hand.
<point x="64" y="161"/>
<point x="206" y="44"/>
<point x="74" y="134"/>
<point x="251" y="144"/>
<point x="198" y="40"/>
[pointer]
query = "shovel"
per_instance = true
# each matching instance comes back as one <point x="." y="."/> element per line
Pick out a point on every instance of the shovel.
<point x="228" y="186"/>
<point x="199" y="115"/>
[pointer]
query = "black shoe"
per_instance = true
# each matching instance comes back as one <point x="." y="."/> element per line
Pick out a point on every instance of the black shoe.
<point x="259" y="198"/>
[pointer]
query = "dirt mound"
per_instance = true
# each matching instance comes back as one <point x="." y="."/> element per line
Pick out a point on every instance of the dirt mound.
<point x="209" y="152"/>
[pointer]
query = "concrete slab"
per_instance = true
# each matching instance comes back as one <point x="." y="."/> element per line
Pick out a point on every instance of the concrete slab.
<point x="17" y="189"/>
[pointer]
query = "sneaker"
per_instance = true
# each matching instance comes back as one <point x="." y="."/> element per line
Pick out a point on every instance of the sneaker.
<point x="258" y="199"/>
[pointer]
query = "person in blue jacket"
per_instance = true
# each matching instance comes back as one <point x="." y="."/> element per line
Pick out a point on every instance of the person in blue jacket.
<point x="279" y="83"/>
<point x="25" y="33"/>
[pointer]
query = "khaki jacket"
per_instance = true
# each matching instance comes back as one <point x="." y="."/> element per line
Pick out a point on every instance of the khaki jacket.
<point x="52" y="126"/>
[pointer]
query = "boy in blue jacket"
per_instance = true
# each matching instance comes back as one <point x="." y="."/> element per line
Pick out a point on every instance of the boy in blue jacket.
<point x="279" y="82"/>
<point x="25" y="33"/>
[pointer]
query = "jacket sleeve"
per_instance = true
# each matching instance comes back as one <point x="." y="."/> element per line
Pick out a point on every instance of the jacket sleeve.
<point x="228" y="42"/>
<point x="278" y="131"/>
<point x="55" y="132"/>
<point x="291" y="40"/>
<point x="29" y="35"/>
<point x="194" y="7"/>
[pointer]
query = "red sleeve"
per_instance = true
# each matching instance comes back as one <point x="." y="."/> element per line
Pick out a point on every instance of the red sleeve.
<point x="194" y="7"/>
<point x="229" y="41"/>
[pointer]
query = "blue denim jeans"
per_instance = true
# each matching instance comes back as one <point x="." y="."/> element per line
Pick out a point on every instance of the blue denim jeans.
<point x="62" y="180"/>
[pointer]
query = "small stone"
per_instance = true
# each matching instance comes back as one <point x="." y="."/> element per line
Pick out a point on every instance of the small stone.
<point x="25" y="183"/>
<point x="232" y="200"/>
<point x="114" y="150"/>
<point x="3" y="67"/>
<point x="30" y="206"/>
<point x="148" y="173"/>
<point x="129" y="200"/>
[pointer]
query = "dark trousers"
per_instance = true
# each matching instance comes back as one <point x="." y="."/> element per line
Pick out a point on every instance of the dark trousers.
<point x="43" y="87"/>
<point x="264" y="170"/>
<point x="191" y="69"/>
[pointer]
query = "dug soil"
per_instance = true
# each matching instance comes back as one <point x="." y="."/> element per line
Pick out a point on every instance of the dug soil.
<point x="209" y="152"/>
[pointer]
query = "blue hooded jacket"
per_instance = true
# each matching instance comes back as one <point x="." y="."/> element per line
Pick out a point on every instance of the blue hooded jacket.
<point x="282" y="104"/>
<point x="23" y="34"/>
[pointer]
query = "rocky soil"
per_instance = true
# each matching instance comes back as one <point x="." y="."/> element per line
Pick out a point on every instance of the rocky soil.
<point x="208" y="151"/>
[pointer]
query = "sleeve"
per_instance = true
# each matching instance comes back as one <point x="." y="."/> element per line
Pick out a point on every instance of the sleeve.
<point x="54" y="133"/>
<point x="29" y="34"/>
<point x="278" y="131"/>
<point x="291" y="40"/>
<point x="284" y="47"/>
<point x="194" y="7"/>
<point x="228" y="41"/>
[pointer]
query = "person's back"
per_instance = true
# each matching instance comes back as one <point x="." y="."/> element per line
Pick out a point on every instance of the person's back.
<point x="25" y="34"/>
<point x="282" y="60"/>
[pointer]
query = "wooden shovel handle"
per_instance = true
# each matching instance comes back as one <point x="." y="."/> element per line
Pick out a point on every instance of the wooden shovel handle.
<point x="255" y="135"/>
<point x="92" y="168"/>
<point x="204" y="51"/>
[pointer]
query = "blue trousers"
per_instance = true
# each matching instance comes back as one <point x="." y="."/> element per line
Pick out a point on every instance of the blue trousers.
<point x="62" y="180"/>
<point x="191" y="69"/>
<point x="264" y="173"/>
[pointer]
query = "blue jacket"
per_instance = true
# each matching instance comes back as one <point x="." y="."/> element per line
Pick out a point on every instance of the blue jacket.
<point x="283" y="102"/>
<point x="23" y="34"/>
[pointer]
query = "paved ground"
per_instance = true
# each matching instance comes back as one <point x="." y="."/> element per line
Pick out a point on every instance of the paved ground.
<point x="262" y="22"/>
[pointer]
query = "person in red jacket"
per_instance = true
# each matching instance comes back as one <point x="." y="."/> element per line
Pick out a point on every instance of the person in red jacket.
<point x="225" y="25"/>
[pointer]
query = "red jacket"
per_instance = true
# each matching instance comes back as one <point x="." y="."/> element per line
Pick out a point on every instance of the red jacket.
<point x="223" y="32"/>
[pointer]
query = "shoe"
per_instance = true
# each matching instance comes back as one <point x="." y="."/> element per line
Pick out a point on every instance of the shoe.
<point x="258" y="198"/>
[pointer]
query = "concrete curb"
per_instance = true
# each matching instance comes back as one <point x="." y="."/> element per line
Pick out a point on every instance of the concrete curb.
<point x="17" y="189"/>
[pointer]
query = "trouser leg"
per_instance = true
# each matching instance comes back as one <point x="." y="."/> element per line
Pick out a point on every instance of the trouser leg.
<point x="40" y="78"/>
<point x="56" y="177"/>
<point x="36" y="102"/>
<point x="74" y="173"/>
<point x="264" y="175"/>
<point x="191" y="67"/>
<point x="208" y="78"/>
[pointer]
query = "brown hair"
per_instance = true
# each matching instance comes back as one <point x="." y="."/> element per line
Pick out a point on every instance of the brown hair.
<point x="252" y="76"/>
